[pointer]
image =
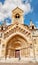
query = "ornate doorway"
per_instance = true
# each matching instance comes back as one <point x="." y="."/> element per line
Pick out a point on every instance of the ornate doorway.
<point x="16" y="46"/>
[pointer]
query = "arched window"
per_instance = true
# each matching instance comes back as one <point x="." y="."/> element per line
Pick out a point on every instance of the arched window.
<point x="2" y="28"/>
<point x="32" y="27"/>
<point x="17" y="16"/>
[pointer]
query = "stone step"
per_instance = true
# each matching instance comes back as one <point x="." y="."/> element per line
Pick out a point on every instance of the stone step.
<point x="30" y="63"/>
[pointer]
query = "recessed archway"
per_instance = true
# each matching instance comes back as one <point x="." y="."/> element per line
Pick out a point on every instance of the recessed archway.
<point x="15" y="45"/>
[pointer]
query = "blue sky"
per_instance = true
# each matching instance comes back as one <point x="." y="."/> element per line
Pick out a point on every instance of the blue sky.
<point x="2" y="1"/>
<point x="34" y="15"/>
<point x="27" y="17"/>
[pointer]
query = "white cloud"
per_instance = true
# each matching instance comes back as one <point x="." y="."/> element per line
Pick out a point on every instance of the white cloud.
<point x="9" y="5"/>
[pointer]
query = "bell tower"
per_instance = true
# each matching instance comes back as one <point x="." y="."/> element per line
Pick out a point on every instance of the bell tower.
<point x="17" y="16"/>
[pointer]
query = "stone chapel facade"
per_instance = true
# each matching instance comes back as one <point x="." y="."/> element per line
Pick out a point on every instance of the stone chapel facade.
<point x="17" y="39"/>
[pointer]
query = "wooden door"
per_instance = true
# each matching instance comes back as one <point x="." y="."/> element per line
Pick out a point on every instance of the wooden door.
<point x="17" y="53"/>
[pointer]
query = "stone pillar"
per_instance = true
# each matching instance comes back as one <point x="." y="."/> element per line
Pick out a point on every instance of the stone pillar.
<point x="3" y="48"/>
<point x="0" y="50"/>
<point x="31" y="53"/>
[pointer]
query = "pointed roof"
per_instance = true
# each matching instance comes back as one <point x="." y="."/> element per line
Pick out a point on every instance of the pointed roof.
<point x="17" y="8"/>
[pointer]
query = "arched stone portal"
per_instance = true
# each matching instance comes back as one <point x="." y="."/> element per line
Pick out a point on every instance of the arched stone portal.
<point x="17" y="47"/>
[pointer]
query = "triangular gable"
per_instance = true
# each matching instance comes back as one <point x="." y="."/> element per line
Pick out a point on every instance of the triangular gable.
<point x="17" y="9"/>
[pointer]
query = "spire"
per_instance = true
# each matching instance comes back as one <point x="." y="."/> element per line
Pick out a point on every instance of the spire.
<point x="31" y="23"/>
<point x="32" y="26"/>
<point x="4" y="25"/>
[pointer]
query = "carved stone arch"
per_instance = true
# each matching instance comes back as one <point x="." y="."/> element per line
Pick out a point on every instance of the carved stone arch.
<point x="17" y="33"/>
<point x="16" y="42"/>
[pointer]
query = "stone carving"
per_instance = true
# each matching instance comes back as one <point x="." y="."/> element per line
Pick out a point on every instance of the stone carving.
<point x="14" y="30"/>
